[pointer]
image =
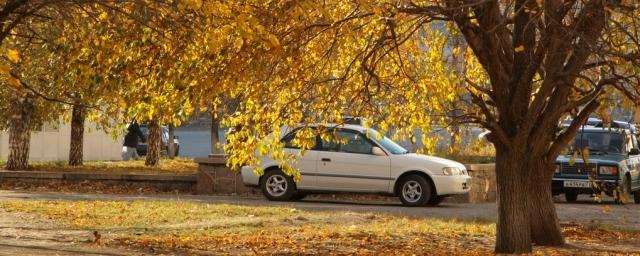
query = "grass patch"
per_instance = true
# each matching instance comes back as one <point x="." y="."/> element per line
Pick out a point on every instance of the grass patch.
<point x="177" y="166"/>
<point x="176" y="227"/>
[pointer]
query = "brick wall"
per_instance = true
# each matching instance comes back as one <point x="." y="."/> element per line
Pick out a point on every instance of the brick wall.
<point x="483" y="183"/>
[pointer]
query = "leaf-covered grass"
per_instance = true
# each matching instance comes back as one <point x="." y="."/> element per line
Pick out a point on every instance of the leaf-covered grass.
<point x="177" y="227"/>
<point x="177" y="166"/>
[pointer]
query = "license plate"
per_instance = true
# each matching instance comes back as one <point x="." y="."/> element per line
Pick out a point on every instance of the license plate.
<point x="576" y="184"/>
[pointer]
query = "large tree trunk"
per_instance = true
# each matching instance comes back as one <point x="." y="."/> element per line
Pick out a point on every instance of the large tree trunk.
<point x="545" y="227"/>
<point x="78" y="115"/>
<point x="22" y="110"/>
<point x="513" y="232"/>
<point x="153" y="142"/>
<point x="215" y="128"/>
<point x="171" y="145"/>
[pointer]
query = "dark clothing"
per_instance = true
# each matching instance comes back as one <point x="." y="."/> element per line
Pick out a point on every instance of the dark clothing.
<point x="133" y="133"/>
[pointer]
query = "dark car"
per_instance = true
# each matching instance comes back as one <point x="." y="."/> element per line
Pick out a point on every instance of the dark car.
<point x="164" y="146"/>
<point x="613" y="164"/>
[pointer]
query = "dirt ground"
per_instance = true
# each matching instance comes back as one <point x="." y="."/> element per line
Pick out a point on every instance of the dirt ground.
<point x="25" y="234"/>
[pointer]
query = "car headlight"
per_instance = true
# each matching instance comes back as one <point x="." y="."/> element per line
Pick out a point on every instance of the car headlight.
<point x="608" y="170"/>
<point x="449" y="171"/>
<point x="557" y="168"/>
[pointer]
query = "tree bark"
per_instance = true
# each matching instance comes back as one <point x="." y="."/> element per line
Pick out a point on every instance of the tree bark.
<point x="545" y="227"/>
<point x="171" y="146"/>
<point x="153" y="142"/>
<point x="78" y="115"/>
<point x="22" y="110"/>
<point x="513" y="232"/>
<point x="215" y="139"/>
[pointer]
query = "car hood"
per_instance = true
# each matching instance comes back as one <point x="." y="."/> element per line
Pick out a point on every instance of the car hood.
<point x="434" y="160"/>
<point x="610" y="158"/>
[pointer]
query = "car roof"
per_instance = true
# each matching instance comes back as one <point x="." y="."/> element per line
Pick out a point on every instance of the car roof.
<point x="592" y="129"/>
<point x="598" y="123"/>
<point x="356" y="127"/>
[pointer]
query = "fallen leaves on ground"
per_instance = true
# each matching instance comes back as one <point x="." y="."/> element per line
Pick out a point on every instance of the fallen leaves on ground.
<point x="177" y="166"/>
<point x="94" y="187"/>
<point x="176" y="227"/>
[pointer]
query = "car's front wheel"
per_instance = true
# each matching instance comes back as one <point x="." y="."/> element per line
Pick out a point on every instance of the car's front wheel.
<point x="415" y="191"/>
<point x="571" y="196"/>
<point x="277" y="186"/>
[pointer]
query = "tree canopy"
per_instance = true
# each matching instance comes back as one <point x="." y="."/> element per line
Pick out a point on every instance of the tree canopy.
<point x="515" y="68"/>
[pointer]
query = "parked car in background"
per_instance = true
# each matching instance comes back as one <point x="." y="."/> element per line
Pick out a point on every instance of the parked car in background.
<point x="595" y="122"/>
<point x="613" y="161"/>
<point x="364" y="162"/>
<point x="164" y="146"/>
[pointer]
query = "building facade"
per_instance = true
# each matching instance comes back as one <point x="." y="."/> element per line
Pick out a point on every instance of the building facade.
<point x="51" y="143"/>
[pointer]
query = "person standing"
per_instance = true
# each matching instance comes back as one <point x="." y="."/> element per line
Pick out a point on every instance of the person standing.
<point x="131" y="141"/>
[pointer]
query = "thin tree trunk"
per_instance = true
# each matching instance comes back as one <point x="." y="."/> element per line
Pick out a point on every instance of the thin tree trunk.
<point x="513" y="232"/>
<point x="22" y="110"/>
<point x="76" y="147"/>
<point x="215" y="128"/>
<point x="153" y="142"/>
<point x="171" y="146"/>
<point x="545" y="227"/>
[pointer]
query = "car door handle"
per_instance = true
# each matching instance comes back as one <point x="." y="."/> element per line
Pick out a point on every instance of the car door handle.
<point x="326" y="159"/>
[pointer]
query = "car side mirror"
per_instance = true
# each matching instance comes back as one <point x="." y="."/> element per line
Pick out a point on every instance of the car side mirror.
<point x="634" y="151"/>
<point x="378" y="151"/>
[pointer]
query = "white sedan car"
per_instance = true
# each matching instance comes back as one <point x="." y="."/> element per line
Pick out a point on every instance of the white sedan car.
<point x="366" y="163"/>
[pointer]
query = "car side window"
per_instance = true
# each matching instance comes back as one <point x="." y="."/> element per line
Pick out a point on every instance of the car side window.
<point x="348" y="142"/>
<point x="289" y="139"/>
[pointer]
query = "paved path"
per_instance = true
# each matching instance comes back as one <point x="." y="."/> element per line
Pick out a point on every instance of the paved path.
<point x="24" y="234"/>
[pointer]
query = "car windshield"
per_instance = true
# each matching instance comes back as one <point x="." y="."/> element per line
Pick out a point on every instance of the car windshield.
<point x="387" y="143"/>
<point x="599" y="142"/>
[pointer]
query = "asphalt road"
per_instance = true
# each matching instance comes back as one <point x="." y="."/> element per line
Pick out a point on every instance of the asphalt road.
<point x="585" y="211"/>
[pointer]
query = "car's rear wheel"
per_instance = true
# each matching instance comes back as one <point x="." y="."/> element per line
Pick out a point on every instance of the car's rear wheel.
<point x="415" y="190"/>
<point x="277" y="186"/>
<point x="571" y="196"/>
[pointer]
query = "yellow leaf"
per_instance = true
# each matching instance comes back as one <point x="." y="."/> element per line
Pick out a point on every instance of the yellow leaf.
<point x="14" y="82"/>
<point x="4" y="70"/>
<point x="520" y="48"/>
<point x="274" y="41"/>
<point x="13" y="55"/>
<point x="585" y="155"/>
<point x="103" y="16"/>
<point x="572" y="159"/>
